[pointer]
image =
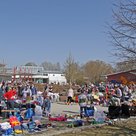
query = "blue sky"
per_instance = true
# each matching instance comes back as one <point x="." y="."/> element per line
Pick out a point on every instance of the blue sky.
<point x="48" y="30"/>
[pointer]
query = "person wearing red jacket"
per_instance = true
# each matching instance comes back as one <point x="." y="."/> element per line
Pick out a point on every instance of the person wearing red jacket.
<point x="10" y="97"/>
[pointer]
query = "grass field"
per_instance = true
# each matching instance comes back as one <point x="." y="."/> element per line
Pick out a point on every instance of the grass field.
<point x="121" y="128"/>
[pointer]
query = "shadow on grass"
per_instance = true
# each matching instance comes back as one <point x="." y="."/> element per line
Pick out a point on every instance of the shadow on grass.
<point x="112" y="130"/>
<point x="125" y="130"/>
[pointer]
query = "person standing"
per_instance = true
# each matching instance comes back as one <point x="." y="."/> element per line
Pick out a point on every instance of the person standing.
<point x="33" y="91"/>
<point x="47" y="105"/>
<point x="10" y="96"/>
<point x="1" y="99"/>
<point x="82" y="100"/>
<point x="70" y="95"/>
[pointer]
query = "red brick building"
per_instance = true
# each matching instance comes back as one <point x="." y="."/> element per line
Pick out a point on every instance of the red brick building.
<point x="123" y="77"/>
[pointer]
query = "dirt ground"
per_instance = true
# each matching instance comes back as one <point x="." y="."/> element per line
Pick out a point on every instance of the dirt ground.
<point x="61" y="107"/>
<point x="126" y="127"/>
<point x="120" y="128"/>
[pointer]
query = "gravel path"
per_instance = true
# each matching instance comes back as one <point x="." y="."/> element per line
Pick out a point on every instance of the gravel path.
<point x="62" y="108"/>
<point x="58" y="108"/>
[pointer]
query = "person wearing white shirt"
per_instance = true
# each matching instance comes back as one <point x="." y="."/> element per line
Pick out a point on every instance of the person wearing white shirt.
<point x="70" y="95"/>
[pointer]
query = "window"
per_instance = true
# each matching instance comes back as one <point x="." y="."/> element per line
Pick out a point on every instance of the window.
<point x="45" y="74"/>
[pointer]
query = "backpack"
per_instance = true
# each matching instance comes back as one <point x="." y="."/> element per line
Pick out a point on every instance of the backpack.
<point x="29" y="113"/>
<point x="14" y="121"/>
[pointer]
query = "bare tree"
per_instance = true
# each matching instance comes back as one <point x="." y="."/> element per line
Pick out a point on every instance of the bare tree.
<point x="95" y="69"/>
<point x="123" y="30"/>
<point x="124" y="66"/>
<point x="72" y="70"/>
<point x="48" y="66"/>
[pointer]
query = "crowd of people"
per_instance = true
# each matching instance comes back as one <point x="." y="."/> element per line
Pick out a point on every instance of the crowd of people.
<point x="110" y="94"/>
<point x="86" y="95"/>
<point x="16" y="95"/>
<point x="33" y="103"/>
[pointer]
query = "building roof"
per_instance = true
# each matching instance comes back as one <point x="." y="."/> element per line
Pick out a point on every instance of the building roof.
<point x="129" y="71"/>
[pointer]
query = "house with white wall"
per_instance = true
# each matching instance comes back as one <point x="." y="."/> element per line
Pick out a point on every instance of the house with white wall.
<point x="39" y="75"/>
